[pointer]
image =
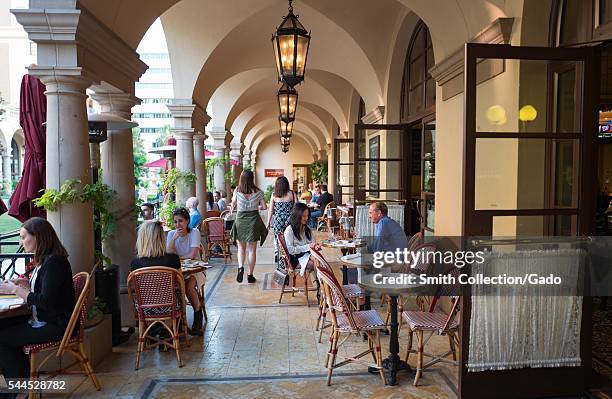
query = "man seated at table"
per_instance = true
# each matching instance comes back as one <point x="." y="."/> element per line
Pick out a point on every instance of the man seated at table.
<point x="147" y="210"/>
<point x="319" y="206"/>
<point x="316" y="193"/>
<point x="388" y="235"/>
<point x="220" y="199"/>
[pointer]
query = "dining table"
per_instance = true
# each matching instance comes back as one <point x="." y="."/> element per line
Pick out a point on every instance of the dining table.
<point x="12" y="306"/>
<point x="374" y="285"/>
<point x="348" y="248"/>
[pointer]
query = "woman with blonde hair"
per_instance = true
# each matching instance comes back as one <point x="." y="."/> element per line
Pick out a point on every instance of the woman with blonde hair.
<point x="151" y="251"/>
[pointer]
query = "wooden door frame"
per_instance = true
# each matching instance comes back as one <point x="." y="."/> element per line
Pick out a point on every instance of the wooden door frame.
<point x="528" y="382"/>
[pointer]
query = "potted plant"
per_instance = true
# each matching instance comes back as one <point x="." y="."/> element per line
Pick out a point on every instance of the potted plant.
<point x="318" y="169"/>
<point x="95" y="312"/>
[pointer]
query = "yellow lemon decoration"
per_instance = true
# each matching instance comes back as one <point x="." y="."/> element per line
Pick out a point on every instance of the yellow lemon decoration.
<point x="528" y="113"/>
<point x="496" y="114"/>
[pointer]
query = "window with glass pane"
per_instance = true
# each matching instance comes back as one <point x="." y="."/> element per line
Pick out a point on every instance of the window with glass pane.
<point x="418" y="88"/>
<point x="605" y="11"/>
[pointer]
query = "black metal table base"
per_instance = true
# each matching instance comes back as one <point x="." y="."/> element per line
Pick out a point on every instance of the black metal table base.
<point x="390" y="368"/>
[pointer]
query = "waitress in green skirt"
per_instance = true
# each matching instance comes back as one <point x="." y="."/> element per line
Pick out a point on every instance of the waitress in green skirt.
<point x="248" y="227"/>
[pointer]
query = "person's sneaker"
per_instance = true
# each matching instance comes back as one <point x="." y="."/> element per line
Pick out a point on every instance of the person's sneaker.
<point x="251" y="278"/>
<point x="240" y="274"/>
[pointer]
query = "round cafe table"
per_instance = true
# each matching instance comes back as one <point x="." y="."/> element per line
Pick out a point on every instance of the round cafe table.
<point x="9" y="310"/>
<point x="345" y="246"/>
<point x="392" y="364"/>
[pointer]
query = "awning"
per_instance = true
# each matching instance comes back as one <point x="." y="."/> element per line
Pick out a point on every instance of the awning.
<point x="160" y="163"/>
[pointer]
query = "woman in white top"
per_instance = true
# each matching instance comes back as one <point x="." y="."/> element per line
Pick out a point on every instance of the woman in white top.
<point x="248" y="228"/>
<point x="298" y="236"/>
<point x="185" y="242"/>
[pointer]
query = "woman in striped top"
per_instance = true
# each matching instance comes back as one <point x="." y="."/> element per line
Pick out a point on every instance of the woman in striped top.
<point x="248" y="228"/>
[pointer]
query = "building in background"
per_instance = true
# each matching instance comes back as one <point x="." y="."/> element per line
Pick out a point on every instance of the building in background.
<point x="16" y="47"/>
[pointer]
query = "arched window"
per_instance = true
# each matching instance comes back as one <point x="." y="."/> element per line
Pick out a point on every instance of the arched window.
<point x="418" y="87"/>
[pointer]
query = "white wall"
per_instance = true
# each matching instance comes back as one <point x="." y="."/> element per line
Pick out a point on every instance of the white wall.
<point x="270" y="156"/>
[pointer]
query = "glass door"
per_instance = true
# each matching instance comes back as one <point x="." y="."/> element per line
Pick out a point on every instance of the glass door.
<point x="343" y="156"/>
<point x="382" y="156"/>
<point x="529" y="170"/>
<point x="428" y="177"/>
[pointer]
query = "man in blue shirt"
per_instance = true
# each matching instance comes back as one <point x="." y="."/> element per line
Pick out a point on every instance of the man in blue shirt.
<point x="389" y="235"/>
<point x="194" y="215"/>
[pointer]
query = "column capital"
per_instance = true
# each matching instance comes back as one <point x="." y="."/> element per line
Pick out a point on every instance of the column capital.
<point x="183" y="134"/>
<point x="374" y="116"/>
<point x="200" y="137"/>
<point x="71" y="37"/>
<point x="116" y="102"/>
<point x="71" y="83"/>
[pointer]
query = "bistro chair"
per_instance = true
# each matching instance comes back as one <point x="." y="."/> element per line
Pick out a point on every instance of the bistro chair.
<point x="215" y="234"/>
<point x="422" y="267"/>
<point x="72" y="341"/>
<point x="353" y="293"/>
<point x="292" y="272"/>
<point x="432" y="322"/>
<point x="213" y="214"/>
<point x="346" y="322"/>
<point x="157" y="293"/>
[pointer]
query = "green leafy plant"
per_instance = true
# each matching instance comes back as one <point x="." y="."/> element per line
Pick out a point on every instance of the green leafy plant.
<point x="173" y="176"/>
<point x="268" y="193"/>
<point x="97" y="307"/>
<point x="319" y="172"/>
<point x="165" y="213"/>
<point x="100" y="194"/>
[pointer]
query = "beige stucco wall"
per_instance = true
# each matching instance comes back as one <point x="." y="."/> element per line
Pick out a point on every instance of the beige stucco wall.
<point x="270" y="156"/>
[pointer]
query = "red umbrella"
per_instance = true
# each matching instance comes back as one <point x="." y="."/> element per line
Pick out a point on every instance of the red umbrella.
<point x="160" y="163"/>
<point x="32" y="115"/>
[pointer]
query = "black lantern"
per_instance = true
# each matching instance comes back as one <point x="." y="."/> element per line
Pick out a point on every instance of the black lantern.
<point x="287" y="102"/>
<point x="285" y="141"/>
<point x="286" y="129"/>
<point x="290" y="43"/>
<point x="284" y="148"/>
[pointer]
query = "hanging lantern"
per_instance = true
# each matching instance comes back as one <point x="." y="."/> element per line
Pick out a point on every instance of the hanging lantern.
<point x="285" y="141"/>
<point x="290" y="42"/>
<point x="286" y="129"/>
<point x="287" y="102"/>
<point x="284" y="148"/>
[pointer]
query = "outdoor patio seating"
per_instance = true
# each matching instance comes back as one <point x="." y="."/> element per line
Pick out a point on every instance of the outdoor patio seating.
<point x="216" y="235"/>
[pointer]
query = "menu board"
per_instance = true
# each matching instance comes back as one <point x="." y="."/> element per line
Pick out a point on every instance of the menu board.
<point x="374" y="167"/>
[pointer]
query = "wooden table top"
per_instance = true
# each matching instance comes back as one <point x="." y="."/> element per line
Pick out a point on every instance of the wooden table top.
<point x="14" y="310"/>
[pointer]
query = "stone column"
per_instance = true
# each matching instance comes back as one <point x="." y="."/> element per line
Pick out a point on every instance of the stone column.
<point x="117" y="158"/>
<point x="68" y="158"/>
<point x="246" y="158"/>
<point x="219" y="150"/>
<point x="235" y="155"/>
<point x="182" y="112"/>
<point x="200" y="168"/>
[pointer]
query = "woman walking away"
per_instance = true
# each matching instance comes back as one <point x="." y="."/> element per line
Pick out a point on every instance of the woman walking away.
<point x="248" y="227"/>
<point x="281" y="205"/>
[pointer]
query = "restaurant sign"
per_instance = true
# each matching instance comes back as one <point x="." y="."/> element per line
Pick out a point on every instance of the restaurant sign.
<point x="274" y="172"/>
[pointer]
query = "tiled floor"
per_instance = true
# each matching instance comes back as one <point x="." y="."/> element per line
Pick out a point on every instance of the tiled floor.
<point x="254" y="347"/>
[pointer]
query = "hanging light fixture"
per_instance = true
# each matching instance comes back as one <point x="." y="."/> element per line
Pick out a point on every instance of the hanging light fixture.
<point x="284" y="148"/>
<point x="286" y="129"/>
<point x="290" y="42"/>
<point x="285" y="141"/>
<point x="287" y="102"/>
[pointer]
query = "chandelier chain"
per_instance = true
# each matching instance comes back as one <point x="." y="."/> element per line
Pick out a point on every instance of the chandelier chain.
<point x="290" y="6"/>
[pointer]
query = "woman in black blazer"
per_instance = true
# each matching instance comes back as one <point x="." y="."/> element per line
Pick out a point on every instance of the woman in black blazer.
<point x="49" y="292"/>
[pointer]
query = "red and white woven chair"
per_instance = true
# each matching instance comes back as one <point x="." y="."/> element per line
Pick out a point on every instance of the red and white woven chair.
<point x="158" y="294"/>
<point x="292" y="272"/>
<point x="352" y="292"/>
<point x="71" y="343"/>
<point x="215" y="234"/>
<point x="345" y="321"/>
<point x="434" y="322"/>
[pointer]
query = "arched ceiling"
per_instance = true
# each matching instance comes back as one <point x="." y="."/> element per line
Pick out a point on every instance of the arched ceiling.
<point x="265" y="134"/>
<point x="222" y="58"/>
